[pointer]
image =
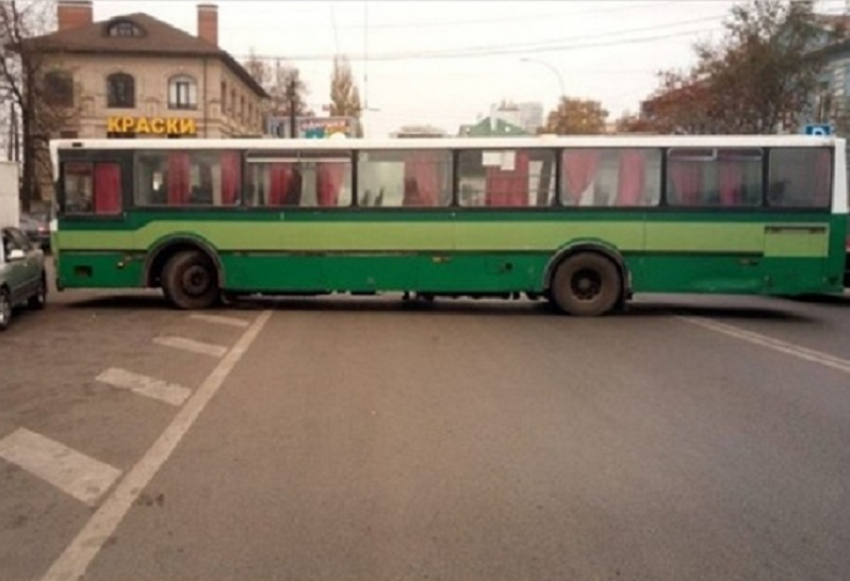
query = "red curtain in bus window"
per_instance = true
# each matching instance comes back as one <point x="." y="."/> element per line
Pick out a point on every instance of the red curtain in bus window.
<point x="731" y="182"/>
<point x="687" y="179"/>
<point x="329" y="178"/>
<point x="508" y="187"/>
<point x="579" y="171"/>
<point x="107" y="188"/>
<point x="280" y="180"/>
<point x="631" y="178"/>
<point x="179" y="179"/>
<point x="231" y="177"/>
<point x="422" y="179"/>
<point x="823" y="179"/>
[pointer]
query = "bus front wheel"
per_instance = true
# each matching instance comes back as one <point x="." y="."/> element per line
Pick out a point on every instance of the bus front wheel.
<point x="586" y="285"/>
<point x="190" y="281"/>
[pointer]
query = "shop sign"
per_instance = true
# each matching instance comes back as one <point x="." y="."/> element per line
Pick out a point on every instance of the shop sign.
<point x="151" y="125"/>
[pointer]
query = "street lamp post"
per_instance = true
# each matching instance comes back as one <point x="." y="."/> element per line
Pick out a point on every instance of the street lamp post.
<point x="551" y="68"/>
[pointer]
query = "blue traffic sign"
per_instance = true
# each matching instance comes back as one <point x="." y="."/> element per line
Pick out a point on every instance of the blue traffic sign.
<point x="819" y="130"/>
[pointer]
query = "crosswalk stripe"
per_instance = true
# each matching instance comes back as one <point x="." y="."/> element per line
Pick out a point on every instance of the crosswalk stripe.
<point x="143" y="385"/>
<point x="76" y="474"/>
<point x="192" y="345"/>
<point x="232" y="321"/>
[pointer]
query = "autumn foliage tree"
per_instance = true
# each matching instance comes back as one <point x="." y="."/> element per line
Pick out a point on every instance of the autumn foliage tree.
<point x="577" y="117"/>
<point x="759" y="78"/>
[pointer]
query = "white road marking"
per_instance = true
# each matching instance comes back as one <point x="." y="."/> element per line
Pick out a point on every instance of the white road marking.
<point x="192" y="345"/>
<point x="798" y="351"/>
<point x="73" y="562"/>
<point x="232" y="321"/>
<point x="78" y="475"/>
<point x="143" y="385"/>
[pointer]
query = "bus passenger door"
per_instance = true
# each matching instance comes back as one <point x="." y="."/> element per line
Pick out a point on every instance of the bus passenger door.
<point x="94" y="191"/>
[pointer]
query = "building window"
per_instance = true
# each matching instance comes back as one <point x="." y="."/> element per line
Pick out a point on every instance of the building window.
<point x="233" y="102"/>
<point x="59" y="89"/>
<point x="182" y="92"/>
<point x="120" y="91"/>
<point x="223" y="97"/>
<point x="124" y="28"/>
<point x="242" y="108"/>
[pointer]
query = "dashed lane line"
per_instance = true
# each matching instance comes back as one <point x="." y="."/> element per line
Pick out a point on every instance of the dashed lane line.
<point x="222" y="320"/>
<point x="192" y="345"/>
<point x="792" y="349"/>
<point x="146" y="386"/>
<point x="76" y="474"/>
<point x="75" y="559"/>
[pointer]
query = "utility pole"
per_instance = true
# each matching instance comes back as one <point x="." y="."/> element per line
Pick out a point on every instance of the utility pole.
<point x="292" y="98"/>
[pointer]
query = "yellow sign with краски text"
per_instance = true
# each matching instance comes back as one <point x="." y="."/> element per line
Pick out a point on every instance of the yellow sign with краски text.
<point x="153" y="125"/>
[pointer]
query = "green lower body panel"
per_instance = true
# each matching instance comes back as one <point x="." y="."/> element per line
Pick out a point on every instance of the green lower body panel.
<point x="465" y="273"/>
<point x="98" y="270"/>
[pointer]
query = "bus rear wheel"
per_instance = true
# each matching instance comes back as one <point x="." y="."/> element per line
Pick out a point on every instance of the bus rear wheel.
<point x="586" y="285"/>
<point x="190" y="281"/>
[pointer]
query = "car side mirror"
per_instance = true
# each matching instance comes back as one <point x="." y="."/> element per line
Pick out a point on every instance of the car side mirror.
<point x="16" y="254"/>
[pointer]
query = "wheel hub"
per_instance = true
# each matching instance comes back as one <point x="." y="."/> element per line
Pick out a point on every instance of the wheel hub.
<point x="196" y="280"/>
<point x="586" y="284"/>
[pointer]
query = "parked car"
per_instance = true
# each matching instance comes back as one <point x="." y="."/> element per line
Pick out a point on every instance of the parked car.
<point x="36" y="227"/>
<point x="23" y="278"/>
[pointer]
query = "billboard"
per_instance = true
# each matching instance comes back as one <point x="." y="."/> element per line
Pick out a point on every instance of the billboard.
<point x="314" y="127"/>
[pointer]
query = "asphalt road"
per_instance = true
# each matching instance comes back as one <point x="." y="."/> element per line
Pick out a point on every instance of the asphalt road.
<point x="690" y="438"/>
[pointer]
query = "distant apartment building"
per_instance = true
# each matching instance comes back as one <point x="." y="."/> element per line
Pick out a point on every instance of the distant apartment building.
<point x="526" y="116"/>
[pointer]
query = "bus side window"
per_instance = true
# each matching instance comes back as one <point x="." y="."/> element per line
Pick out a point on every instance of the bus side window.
<point x="92" y="188"/>
<point x="800" y="177"/>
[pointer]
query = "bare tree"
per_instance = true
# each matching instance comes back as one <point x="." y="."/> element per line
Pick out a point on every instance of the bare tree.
<point x="286" y="89"/>
<point x="41" y="94"/>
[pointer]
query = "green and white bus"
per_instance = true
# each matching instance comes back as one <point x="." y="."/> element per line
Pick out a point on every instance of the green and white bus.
<point x="582" y="221"/>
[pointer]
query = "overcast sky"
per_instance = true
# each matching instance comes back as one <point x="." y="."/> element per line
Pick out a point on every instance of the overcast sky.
<point x="444" y="62"/>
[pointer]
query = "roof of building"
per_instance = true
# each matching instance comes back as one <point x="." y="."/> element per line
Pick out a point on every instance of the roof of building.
<point x="484" y="128"/>
<point x="158" y="38"/>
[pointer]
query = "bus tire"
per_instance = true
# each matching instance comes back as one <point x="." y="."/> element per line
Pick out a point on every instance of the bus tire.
<point x="190" y="281"/>
<point x="586" y="285"/>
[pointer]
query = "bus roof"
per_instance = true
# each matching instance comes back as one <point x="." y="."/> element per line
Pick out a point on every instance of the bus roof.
<point x="588" y="141"/>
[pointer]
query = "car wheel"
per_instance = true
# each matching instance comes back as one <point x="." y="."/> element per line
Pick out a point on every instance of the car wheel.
<point x="5" y="309"/>
<point x="39" y="299"/>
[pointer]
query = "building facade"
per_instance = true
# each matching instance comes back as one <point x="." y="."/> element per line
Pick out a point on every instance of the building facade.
<point x="135" y="76"/>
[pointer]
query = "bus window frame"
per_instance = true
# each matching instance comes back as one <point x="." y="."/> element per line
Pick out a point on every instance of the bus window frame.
<point x="451" y="206"/>
<point x="94" y="156"/>
<point x="250" y="156"/>
<point x="827" y="208"/>
<point x="655" y="207"/>
<point x="723" y="209"/>
<point x="555" y="203"/>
